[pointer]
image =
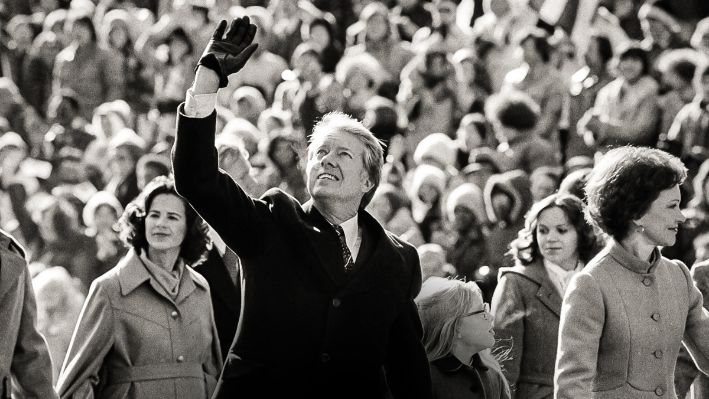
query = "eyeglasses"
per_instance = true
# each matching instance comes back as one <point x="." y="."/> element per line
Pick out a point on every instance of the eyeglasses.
<point x="485" y="311"/>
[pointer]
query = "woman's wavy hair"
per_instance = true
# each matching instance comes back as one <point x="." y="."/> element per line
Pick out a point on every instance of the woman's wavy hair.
<point x="625" y="182"/>
<point x="525" y="248"/>
<point x="132" y="223"/>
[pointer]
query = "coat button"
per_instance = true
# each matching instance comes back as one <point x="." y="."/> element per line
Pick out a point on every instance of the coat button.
<point x="659" y="391"/>
<point x="656" y="316"/>
<point x="324" y="357"/>
<point x="647" y="281"/>
<point x="336" y="303"/>
<point x="180" y="359"/>
<point x="174" y="314"/>
<point x="658" y="354"/>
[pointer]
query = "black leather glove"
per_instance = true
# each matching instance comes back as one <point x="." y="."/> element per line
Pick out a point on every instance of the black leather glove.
<point x="227" y="54"/>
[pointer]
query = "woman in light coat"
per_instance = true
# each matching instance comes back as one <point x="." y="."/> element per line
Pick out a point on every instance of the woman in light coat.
<point x="625" y="315"/>
<point x="554" y="245"/>
<point x="147" y="328"/>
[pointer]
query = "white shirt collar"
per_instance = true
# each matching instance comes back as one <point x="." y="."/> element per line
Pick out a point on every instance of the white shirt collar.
<point x="351" y="229"/>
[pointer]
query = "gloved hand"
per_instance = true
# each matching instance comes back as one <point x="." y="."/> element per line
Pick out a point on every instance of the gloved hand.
<point x="227" y="54"/>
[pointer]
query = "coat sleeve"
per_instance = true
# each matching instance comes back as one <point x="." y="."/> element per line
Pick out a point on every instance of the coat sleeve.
<point x="696" y="339"/>
<point x="509" y="312"/>
<point x="211" y="192"/>
<point x="92" y="339"/>
<point x="213" y="365"/>
<point x="406" y="365"/>
<point x="580" y="330"/>
<point x="31" y="363"/>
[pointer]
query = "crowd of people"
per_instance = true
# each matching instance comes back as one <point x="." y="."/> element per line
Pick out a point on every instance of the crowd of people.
<point x="494" y="115"/>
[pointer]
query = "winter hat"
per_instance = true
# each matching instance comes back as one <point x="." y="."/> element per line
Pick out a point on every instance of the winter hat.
<point x="437" y="147"/>
<point x="469" y="196"/>
<point x="97" y="200"/>
<point x="660" y="11"/>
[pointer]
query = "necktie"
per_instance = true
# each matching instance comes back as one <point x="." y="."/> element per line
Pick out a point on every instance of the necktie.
<point x="346" y="254"/>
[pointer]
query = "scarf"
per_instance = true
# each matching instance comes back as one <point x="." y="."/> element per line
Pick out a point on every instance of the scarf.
<point x="168" y="280"/>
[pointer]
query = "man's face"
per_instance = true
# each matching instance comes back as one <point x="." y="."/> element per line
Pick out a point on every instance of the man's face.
<point x="335" y="168"/>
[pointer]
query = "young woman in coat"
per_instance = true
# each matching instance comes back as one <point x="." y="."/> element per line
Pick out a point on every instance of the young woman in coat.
<point x="457" y="335"/>
<point x="626" y="313"/>
<point x="554" y="244"/>
<point x="147" y="328"/>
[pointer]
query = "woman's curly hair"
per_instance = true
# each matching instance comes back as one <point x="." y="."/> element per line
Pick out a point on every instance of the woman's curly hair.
<point x="132" y="223"/>
<point x="625" y="182"/>
<point x="525" y="249"/>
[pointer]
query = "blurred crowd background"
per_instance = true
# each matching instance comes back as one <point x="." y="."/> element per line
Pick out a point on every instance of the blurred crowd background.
<point x="485" y="106"/>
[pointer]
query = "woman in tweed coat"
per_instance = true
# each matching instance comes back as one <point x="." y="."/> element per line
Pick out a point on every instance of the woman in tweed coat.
<point x="626" y="313"/>
<point x="554" y="245"/>
<point x="147" y="329"/>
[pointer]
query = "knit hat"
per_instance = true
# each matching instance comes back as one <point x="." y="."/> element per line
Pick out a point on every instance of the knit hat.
<point x="470" y="196"/>
<point x="437" y="147"/>
<point x="660" y="11"/>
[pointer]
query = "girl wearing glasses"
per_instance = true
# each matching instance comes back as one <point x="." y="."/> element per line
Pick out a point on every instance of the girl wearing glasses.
<point x="457" y="335"/>
<point x="554" y="244"/>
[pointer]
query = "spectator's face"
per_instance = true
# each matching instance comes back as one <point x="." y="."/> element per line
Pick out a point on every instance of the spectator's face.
<point x="71" y="171"/>
<point x="704" y="42"/>
<point x="61" y="111"/>
<point x="104" y="218"/>
<point x="428" y="193"/>
<point x="320" y="36"/>
<point x="592" y="55"/>
<point x="178" y="49"/>
<point x="470" y="136"/>
<point x="146" y="174"/>
<point x="529" y="52"/>
<point x="284" y="154"/>
<point x="661" y="221"/>
<point x="23" y="36"/>
<point x="165" y="223"/>
<point x="631" y="69"/>
<point x="467" y="66"/>
<point x="122" y="163"/>
<point x="463" y="218"/>
<point x="445" y="11"/>
<point x="335" y="168"/>
<point x="475" y="329"/>
<point x="377" y="27"/>
<point x="308" y="68"/>
<point x="80" y="34"/>
<point x="48" y="5"/>
<point x="541" y="186"/>
<point x="502" y="204"/>
<point x="557" y="238"/>
<point x="118" y="37"/>
<point x="656" y="30"/>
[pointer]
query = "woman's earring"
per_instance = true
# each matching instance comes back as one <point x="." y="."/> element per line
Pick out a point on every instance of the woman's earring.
<point x="641" y="228"/>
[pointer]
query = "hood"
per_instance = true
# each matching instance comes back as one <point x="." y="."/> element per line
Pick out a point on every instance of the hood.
<point x="514" y="183"/>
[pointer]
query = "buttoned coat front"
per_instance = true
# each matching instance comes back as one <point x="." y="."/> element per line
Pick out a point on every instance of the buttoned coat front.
<point x="133" y="341"/>
<point x="23" y="351"/>
<point x="526" y="307"/>
<point x="307" y="329"/>
<point x="622" y="322"/>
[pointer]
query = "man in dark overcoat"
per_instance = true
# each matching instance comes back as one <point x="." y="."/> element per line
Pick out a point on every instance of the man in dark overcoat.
<point x="328" y="306"/>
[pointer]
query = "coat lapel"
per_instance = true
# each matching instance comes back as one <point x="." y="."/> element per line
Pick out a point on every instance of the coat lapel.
<point x="324" y="244"/>
<point x="547" y="294"/>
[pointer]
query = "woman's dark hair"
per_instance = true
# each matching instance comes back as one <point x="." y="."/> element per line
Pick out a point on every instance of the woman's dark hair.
<point x="291" y="142"/>
<point x="513" y="109"/>
<point x="625" y="182"/>
<point x="525" y="248"/>
<point x="638" y="53"/>
<point x="540" y="40"/>
<point x="132" y="223"/>
<point x="87" y="22"/>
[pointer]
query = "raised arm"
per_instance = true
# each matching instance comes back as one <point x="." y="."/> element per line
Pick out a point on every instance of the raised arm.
<point x="211" y="192"/>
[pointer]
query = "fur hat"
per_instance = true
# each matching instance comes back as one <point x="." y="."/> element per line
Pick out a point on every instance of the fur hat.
<point x="437" y="147"/>
<point x="469" y="196"/>
<point x="660" y="11"/>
